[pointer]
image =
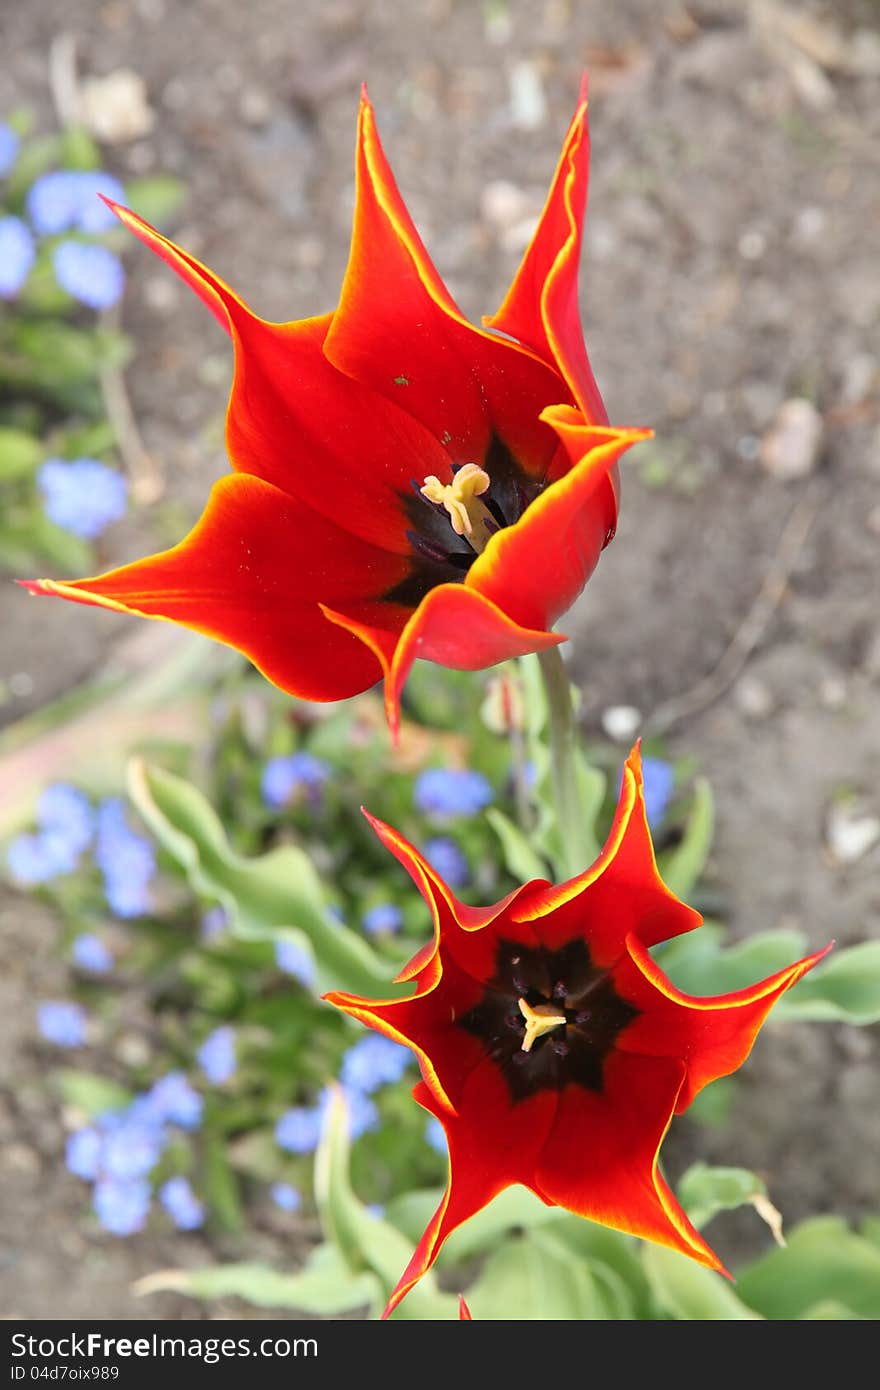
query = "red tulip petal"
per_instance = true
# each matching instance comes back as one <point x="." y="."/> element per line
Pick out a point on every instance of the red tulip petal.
<point x="621" y="894"/>
<point x="715" y="1034"/>
<point x="249" y="574"/>
<point x="411" y="343"/>
<point x="536" y="568"/>
<point x="491" y="1145"/>
<point x="464" y="1312"/>
<point x="297" y="422"/>
<point x="601" y="1157"/>
<point x="220" y="299"/>
<point x="541" y="308"/>
<point x="453" y="625"/>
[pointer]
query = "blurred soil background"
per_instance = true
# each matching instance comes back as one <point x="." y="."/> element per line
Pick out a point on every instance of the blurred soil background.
<point x="730" y="269"/>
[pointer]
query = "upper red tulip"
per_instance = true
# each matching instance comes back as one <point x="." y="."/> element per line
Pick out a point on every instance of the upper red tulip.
<point x="553" y="1049"/>
<point x="406" y="484"/>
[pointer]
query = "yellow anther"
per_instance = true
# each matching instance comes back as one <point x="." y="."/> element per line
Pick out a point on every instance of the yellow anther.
<point x="468" y="516"/>
<point x="541" y="1019"/>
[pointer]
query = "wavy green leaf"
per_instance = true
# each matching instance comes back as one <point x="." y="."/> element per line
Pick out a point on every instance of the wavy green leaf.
<point x="823" y="1260"/>
<point x="279" y="890"/>
<point x="325" y="1286"/>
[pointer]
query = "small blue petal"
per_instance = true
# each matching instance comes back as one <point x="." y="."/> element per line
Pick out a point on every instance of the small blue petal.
<point x="284" y="778"/>
<point x="214" y="923"/>
<point x="362" y="1113"/>
<point x="216" y="1056"/>
<point x="659" y="782"/>
<point x="172" y="1098"/>
<point x="82" y="1153"/>
<point x="67" y="811"/>
<point x="445" y="856"/>
<point x="299" y="1129"/>
<point x="92" y="214"/>
<point x="285" y="1196"/>
<point x="372" y="1062"/>
<point x="62" y="1023"/>
<point x="452" y="791"/>
<point x="39" y="858"/>
<point x="384" y="917"/>
<point x="17" y="255"/>
<point x="89" y="272"/>
<point x="182" y="1204"/>
<point x="132" y="1149"/>
<point x="122" y="1207"/>
<point x="82" y="495"/>
<point x="52" y="202"/>
<point x="295" y="960"/>
<point x="90" y="953"/>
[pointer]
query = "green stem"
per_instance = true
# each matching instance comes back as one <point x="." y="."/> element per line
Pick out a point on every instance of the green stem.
<point x="563" y="746"/>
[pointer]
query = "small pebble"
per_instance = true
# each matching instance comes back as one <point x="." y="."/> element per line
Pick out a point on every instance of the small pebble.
<point x="621" y="722"/>
<point x="753" y="698"/>
<point x="791" y="447"/>
<point x="850" y="833"/>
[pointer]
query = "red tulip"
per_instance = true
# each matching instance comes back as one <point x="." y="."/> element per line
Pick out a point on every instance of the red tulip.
<point x="552" y="1047"/>
<point x="405" y="484"/>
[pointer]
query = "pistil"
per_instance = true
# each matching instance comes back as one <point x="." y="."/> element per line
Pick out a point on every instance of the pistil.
<point x="468" y="516"/>
<point x="540" y="1019"/>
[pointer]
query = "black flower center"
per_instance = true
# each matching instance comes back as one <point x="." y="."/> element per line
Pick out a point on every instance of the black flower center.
<point x="562" y="985"/>
<point x="440" y="554"/>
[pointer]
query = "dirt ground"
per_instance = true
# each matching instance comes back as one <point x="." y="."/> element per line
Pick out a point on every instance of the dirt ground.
<point x="730" y="265"/>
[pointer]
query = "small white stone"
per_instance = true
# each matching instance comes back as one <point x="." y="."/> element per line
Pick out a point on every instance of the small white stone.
<point x="503" y="203"/>
<point x="115" y="108"/>
<point x="790" y="449"/>
<point x="833" y="692"/>
<point x="850" y="833"/>
<point x="752" y="245"/>
<point x="753" y="698"/>
<point x="528" y="105"/>
<point x="621" y="722"/>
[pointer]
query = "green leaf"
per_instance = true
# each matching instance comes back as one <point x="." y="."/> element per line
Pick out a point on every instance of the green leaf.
<point x="20" y="454"/>
<point x="699" y="964"/>
<point x="364" y="1240"/>
<point x="324" y="1286"/>
<point x="157" y="199"/>
<point x="689" y="1291"/>
<point x="91" y="1094"/>
<point x="280" y="890"/>
<point x="519" y="856"/>
<point x="682" y="868"/>
<point x="845" y="988"/>
<point x="829" y="1310"/>
<point x="220" y="1183"/>
<point x="824" y="1260"/>
<point x="35" y="157"/>
<point x="535" y="1277"/>
<point x="704" y="1191"/>
<point x="78" y="149"/>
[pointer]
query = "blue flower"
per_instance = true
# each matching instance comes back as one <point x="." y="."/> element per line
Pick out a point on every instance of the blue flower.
<point x="90" y="953"/>
<point x="126" y="860"/>
<point x="299" y="1129"/>
<point x="445" y="856"/>
<point x="659" y="783"/>
<point x="92" y="214"/>
<point x="82" y="496"/>
<point x="285" y="1196"/>
<point x="62" y="1023"/>
<point x="452" y="791"/>
<point x="17" y="255"/>
<point x="284" y="778"/>
<point x="133" y="1147"/>
<point x="67" y="198"/>
<point x="67" y="811"/>
<point x="82" y="1153"/>
<point x="9" y="145"/>
<point x="39" y="858"/>
<point x="384" y="917"/>
<point x="372" y="1062"/>
<point x="89" y="272"/>
<point x="182" y="1204"/>
<point x="362" y="1112"/>
<point x="295" y="960"/>
<point x="172" y="1098"/>
<point x="216" y="1056"/>
<point x="436" y="1136"/>
<point x="122" y="1207"/>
